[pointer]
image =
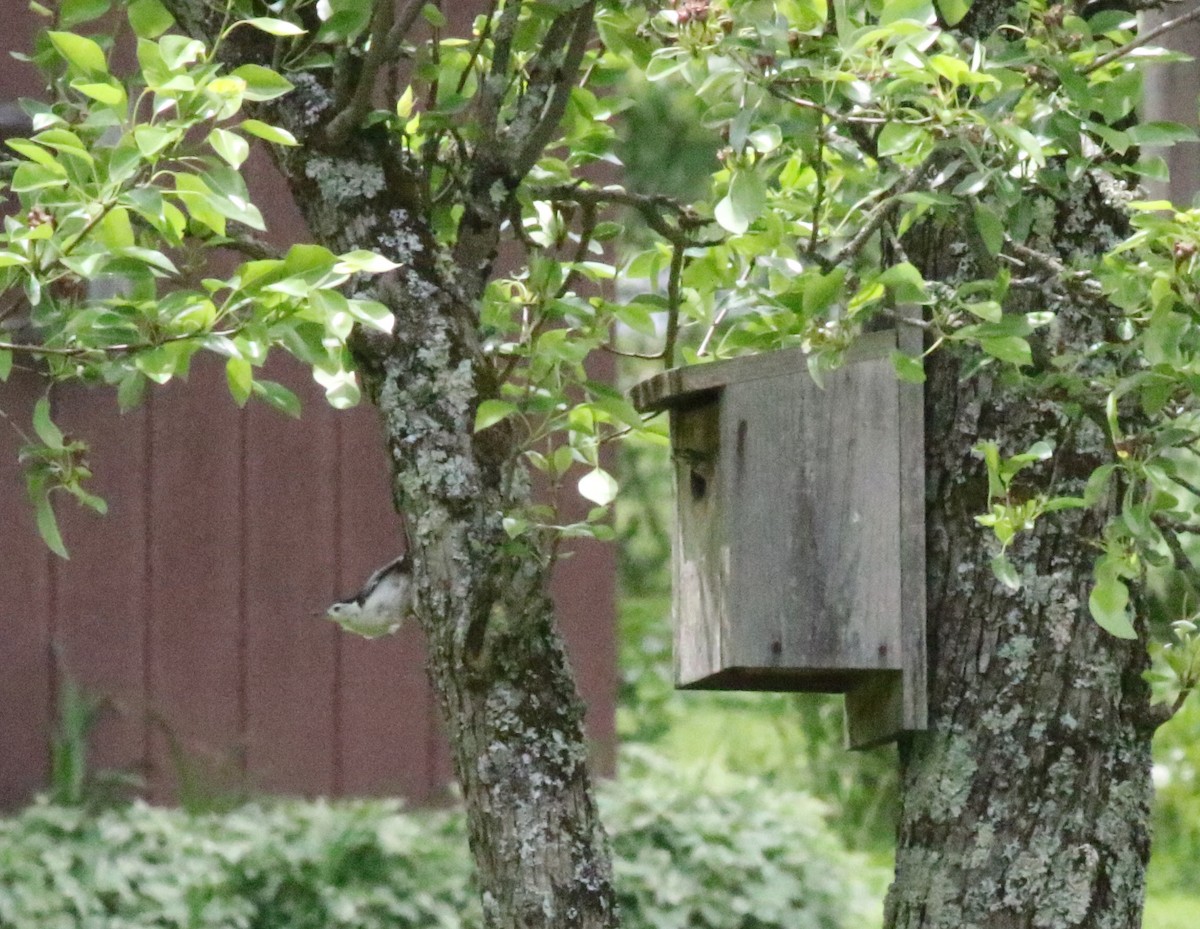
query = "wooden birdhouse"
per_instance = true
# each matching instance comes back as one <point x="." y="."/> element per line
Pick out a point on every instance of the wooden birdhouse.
<point x="799" y="549"/>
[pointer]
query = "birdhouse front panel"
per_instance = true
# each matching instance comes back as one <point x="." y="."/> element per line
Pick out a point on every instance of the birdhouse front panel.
<point x="799" y="545"/>
<point x="813" y="515"/>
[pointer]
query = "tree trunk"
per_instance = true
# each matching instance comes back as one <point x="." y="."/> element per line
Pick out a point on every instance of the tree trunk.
<point x="510" y="706"/>
<point x="508" y="700"/>
<point x="1026" y="804"/>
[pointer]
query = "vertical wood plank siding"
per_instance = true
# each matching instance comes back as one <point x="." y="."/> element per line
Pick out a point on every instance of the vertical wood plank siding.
<point x="189" y="608"/>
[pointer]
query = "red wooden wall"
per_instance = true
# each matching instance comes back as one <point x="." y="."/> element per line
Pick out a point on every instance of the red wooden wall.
<point x="189" y="607"/>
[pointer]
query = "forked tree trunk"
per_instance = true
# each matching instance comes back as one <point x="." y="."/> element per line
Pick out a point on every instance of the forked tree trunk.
<point x="511" y="709"/>
<point x="508" y="700"/>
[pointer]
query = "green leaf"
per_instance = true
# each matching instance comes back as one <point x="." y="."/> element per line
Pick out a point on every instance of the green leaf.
<point x="1161" y="133"/>
<point x="372" y="313"/>
<point x="820" y="291"/>
<point x="1109" y="601"/>
<point x="896" y="10"/>
<point x="130" y="390"/>
<point x="74" y="12"/>
<point x="153" y="139"/>
<point x="80" y="52"/>
<point x="230" y="146"/>
<point x="434" y="16"/>
<point x="149" y="18"/>
<point x="262" y="83"/>
<point x="341" y="388"/>
<point x="743" y="204"/>
<point x="268" y="133"/>
<point x="30" y="176"/>
<point x="953" y="11"/>
<point x="765" y="140"/>
<point x="347" y="19"/>
<point x="991" y="229"/>
<point x="1097" y="484"/>
<point x="179" y="51"/>
<point x="361" y="261"/>
<point x="271" y="26"/>
<point x="278" y="397"/>
<point x="491" y="412"/>
<point x="44" y="426"/>
<point x="897" y="138"/>
<point x="598" y="486"/>
<point x="109" y="94"/>
<point x="1005" y="573"/>
<point x="1012" y="349"/>
<point x="48" y="526"/>
<point x="908" y="368"/>
<point x="6" y="363"/>
<point x="240" y="376"/>
<point x="905" y="283"/>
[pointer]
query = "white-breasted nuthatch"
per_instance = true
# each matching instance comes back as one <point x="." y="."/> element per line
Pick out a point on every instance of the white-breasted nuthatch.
<point x="381" y="606"/>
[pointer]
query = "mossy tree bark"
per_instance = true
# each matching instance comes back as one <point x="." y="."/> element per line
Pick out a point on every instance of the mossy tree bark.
<point x="510" y="705"/>
<point x="1027" y="802"/>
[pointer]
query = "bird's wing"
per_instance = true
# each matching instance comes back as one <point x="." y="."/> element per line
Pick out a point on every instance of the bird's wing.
<point x="374" y="579"/>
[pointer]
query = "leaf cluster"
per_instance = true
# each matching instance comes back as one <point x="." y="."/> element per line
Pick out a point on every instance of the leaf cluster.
<point x="129" y="202"/>
<point x="691" y="851"/>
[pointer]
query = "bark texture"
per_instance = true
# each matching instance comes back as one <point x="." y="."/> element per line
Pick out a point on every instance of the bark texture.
<point x="1027" y="802"/>
<point x="510" y="705"/>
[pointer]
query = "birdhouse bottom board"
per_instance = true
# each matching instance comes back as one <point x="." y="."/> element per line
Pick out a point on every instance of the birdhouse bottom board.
<point x="798" y="555"/>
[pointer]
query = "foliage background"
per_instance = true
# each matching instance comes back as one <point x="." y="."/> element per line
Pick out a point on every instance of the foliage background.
<point x="694" y="848"/>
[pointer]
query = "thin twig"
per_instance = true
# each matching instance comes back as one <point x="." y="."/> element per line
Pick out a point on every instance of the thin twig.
<point x="914" y="321"/>
<point x="478" y="47"/>
<point x="28" y="349"/>
<point x="819" y="167"/>
<point x="1189" y="487"/>
<point x="650" y="207"/>
<point x="252" y="247"/>
<point x="674" y="279"/>
<point x="1080" y="282"/>
<point x="622" y="353"/>
<point x="877" y="216"/>
<point x="587" y="226"/>
<point x="1142" y="39"/>
<point x="717" y="320"/>
<point x="806" y="104"/>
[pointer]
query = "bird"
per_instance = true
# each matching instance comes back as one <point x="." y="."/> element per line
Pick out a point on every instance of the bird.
<point x="382" y="605"/>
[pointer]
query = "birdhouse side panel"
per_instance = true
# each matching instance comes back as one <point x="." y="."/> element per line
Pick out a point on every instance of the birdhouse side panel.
<point x="700" y="556"/>
<point x="813" y="507"/>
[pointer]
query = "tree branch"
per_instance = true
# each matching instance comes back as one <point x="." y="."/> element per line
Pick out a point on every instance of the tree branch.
<point x="561" y="78"/>
<point x="495" y="85"/>
<point x="1142" y="39"/>
<point x="877" y="216"/>
<point x="650" y="207"/>
<point x="674" y="293"/>
<point x="388" y="30"/>
<point x="1163" y="713"/>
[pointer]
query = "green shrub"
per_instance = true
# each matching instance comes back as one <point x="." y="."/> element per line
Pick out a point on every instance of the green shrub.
<point x="708" y="851"/>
